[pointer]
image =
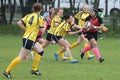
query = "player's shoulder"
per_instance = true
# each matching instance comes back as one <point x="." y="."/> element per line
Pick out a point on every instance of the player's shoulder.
<point x="80" y="12"/>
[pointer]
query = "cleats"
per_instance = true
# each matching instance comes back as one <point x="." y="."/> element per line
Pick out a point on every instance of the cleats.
<point x="101" y="60"/>
<point x="8" y="75"/>
<point x="73" y="61"/>
<point x="37" y="73"/>
<point x="65" y="58"/>
<point x="82" y="55"/>
<point x="56" y="56"/>
<point x="90" y="56"/>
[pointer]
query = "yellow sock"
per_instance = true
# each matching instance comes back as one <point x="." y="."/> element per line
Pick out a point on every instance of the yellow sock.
<point x="70" y="58"/>
<point x="87" y="53"/>
<point x="73" y="45"/>
<point x="60" y="54"/>
<point x="36" y="60"/>
<point x="13" y="64"/>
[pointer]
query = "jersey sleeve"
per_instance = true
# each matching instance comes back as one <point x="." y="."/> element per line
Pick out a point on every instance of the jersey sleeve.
<point x="77" y="16"/>
<point x="24" y="19"/>
<point x="41" y="22"/>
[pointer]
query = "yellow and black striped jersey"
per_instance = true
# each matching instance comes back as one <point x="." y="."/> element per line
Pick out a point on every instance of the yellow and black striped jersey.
<point x="33" y="22"/>
<point x="56" y="19"/>
<point x="81" y="16"/>
<point x="62" y="29"/>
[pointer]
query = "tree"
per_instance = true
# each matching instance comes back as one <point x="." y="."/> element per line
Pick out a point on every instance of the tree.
<point x="12" y="10"/>
<point x="86" y="1"/>
<point x="3" y="17"/>
<point x="22" y="8"/>
<point x="96" y="3"/>
<point x="71" y="7"/>
<point x="106" y="8"/>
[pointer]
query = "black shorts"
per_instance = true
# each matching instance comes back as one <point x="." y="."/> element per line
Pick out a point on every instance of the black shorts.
<point x="56" y="38"/>
<point x="49" y="37"/>
<point x="91" y="35"/>
<point x="28" y="44"/>
<point x="38" y="37"/>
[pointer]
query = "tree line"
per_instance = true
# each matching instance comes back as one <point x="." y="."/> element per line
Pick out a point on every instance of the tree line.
<point x="25" y="7"/>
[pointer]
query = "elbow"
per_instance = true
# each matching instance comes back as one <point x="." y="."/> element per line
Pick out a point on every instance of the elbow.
<point x="18" y="23"/>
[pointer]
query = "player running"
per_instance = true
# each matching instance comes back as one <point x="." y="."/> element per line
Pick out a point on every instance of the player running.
<point x="31" y="24"/>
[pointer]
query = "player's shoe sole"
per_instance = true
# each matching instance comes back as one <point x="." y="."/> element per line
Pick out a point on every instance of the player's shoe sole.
<point x="8" y="75"/>
<point x="90" y="56"/>
<point x="82" y="54"/>
<point x="37" y="73"/>
<point x="101" y="60"/>
<point x="74" y="61"/>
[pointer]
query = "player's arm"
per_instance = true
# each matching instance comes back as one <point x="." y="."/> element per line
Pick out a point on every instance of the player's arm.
<point x="42" y="29"/>
<point x="22" y="22"/>
<point x="21" y="25"/>
<point x="74" y="26"/>
<point x="73" y="33"/>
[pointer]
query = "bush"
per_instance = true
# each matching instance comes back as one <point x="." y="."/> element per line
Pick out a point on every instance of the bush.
<point x="10" y="29"/>
<point x="111" y="32"/>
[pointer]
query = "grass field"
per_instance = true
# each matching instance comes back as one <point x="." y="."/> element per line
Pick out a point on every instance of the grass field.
<point x="52" y="70"/>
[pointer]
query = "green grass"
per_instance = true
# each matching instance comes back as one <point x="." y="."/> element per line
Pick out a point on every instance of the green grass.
<point x="52" y="70"/>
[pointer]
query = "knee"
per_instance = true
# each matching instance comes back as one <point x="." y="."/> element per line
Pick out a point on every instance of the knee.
<point x="41" y="53"/>
<point x="67" y="46"/>
<point x="78" y="43"/>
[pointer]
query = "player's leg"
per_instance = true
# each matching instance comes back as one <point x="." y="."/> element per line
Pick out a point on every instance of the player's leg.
<point x="48" y="40"/>
<point x="78" y="42"/>
<point x="85" y="45"/>
<point x="25" y="50"/>
<point x="96" y="50"/>
<point x="66" y="44"/>
<point x="38" y="54"/>
<point x="33" y="52"/>
<point x="23" y="53"/>
<point x="61" y="54"/>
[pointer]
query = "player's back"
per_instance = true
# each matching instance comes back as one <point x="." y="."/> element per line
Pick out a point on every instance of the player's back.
<point x="32" y="25"/>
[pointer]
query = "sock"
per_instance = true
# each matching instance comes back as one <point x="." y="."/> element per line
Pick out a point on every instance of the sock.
<point x="74" y="45"/>
<point x="70" y="58"/>
<point x="62" y="55"/>
<point x="87" y="52"/>
<point x="59" y="53"/>
<point x="36" y="60"/>
<point x="87" y="48"/>
<point x="96" y="51"/>
<point x="13" y="64"/>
